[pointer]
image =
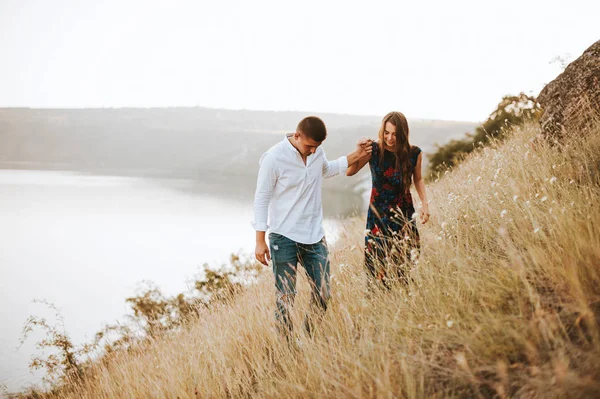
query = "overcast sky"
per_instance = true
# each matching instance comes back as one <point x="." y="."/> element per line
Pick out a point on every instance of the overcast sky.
<point x="429" y="59"/>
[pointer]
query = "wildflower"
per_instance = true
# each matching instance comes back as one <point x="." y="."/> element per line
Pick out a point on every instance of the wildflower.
<point x="461" y="360"/>
<point x="515" y="198"/>
<point x="536" y="230"/>
<point x="571" y="181"/>
<point x="544" y="198"/>
<point x="478" y="178"/>
<point x="414" y="254"/>
<point x="449" y="323"/>
<point x="552" y="179"/>
<point x="503" y="213"/>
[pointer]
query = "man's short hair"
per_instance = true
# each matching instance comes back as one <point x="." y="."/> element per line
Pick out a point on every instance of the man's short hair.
<point x="313" y="127"/>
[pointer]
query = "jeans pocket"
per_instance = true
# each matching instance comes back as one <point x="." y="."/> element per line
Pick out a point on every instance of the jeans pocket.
<point x="274" y="237"/>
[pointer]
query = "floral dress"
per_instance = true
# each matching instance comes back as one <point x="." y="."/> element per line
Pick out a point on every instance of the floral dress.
<point x="391" y="228"/>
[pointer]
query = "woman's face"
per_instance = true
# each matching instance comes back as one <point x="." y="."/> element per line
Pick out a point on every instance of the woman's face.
<point x="389" y="135"/>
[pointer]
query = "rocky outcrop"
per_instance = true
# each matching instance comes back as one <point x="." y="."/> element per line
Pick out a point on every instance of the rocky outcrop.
<point x="571" y="102"/>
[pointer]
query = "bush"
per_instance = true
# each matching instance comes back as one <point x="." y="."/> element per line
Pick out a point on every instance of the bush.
<point x="512" y="111"/>
<point x="154" y="314"/>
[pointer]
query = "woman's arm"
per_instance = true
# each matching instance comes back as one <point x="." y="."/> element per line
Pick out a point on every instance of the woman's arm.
<point x="358" y="165"/>
<point x="362" y="161"/>
<point x="420" y="187"/>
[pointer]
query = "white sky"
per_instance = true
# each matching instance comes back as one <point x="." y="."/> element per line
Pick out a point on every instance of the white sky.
<point x="429" y="59"/>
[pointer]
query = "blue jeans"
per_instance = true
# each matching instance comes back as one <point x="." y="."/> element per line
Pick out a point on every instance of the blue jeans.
<point x="286" y="254"/>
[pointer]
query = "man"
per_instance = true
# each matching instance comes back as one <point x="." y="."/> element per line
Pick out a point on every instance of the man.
<point x="288" y="196"/>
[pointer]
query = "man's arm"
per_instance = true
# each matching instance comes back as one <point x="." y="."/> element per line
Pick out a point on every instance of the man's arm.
<point x="267" y="178"/>
<point x="333" y="168"/>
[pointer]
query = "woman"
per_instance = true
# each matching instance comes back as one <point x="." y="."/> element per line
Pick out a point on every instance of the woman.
<point x="392" y="233"/>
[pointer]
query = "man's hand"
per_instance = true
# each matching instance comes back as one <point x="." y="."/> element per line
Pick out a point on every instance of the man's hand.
<point x="364" y="142"/>
<point x="262" y="252"/>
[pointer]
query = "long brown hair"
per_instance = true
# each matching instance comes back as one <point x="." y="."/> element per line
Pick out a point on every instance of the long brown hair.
<point x="403" y="148"/>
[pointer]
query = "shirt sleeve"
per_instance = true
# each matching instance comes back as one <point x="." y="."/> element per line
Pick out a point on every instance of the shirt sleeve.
<point x="335" y="167"/>
<point x="415" y="156"/>
<point x="267" y="178"/>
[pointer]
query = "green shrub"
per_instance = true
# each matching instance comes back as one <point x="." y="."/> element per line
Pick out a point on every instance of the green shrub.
<point x="512" y="111"/>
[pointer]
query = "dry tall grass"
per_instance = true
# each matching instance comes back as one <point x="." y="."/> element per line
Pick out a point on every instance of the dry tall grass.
<point x="504" y="302"/>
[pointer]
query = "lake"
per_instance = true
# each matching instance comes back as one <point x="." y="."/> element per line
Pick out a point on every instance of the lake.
<point x="84" y="242"/>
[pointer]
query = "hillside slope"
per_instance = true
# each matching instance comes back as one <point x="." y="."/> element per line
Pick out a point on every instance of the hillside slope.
<point x="503" y="302"/>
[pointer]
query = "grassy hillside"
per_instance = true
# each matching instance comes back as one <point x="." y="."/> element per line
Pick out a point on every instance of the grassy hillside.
<point x="503" y="302"/>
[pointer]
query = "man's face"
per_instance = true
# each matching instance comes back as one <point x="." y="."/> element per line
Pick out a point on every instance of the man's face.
<point x="306" y="145"/>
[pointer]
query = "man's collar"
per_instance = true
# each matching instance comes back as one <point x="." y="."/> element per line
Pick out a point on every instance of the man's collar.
<point x="289" y="145"/>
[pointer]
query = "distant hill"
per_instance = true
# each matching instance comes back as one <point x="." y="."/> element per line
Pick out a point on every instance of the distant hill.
<point x="218" y="149"/>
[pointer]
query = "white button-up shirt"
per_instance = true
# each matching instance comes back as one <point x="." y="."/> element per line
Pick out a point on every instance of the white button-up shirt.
<point x="288" y="192"/>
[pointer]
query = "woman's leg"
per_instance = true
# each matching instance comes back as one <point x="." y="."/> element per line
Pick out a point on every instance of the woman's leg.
<point x="375" y="259"/>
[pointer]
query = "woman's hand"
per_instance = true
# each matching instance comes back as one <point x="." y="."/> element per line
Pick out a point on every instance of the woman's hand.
<point x="424" y="214"/>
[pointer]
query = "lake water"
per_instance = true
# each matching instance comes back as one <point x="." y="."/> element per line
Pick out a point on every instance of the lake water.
<point x="84" y="243"/>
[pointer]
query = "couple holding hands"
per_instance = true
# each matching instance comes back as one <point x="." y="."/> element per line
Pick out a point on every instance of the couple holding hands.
<point x="287" y="203"/>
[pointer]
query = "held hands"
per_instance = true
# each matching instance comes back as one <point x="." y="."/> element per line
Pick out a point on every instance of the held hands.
<point x="364" y="147"/>
<point x="262" y="252"/>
